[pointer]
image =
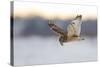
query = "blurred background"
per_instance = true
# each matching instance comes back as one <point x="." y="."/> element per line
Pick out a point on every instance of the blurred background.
<point x="37" y="25"/>
<point x="35" y="43"/>
<point x="32" y="18"/>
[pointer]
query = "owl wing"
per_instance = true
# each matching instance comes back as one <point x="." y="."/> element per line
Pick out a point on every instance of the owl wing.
<point x="77" y="24"/>
<point x="70" y="30"/>
<point x="74" y="28"/>
<point x="56" y="29"/>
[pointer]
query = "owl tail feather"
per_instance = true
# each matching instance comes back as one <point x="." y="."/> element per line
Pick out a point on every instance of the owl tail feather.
<point x="61" y="43"/>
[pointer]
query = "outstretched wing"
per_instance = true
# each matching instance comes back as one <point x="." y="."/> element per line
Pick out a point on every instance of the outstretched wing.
<point x="70" y="30"/>
<point x="74" y="28"/>
<point x="79" y="17"/>
<point x="56" y="29"/>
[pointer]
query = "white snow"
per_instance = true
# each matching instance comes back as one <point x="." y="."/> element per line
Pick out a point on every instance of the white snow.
<point x="47" y="50"/>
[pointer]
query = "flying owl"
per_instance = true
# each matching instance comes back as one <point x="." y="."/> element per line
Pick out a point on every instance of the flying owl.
<point x="73" y="30"/>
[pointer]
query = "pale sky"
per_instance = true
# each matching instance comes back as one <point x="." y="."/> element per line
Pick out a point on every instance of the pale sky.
<point x="51" y="10"/>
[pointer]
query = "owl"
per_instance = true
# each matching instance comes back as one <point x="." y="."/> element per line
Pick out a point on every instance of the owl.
<point x="72" y="32"/>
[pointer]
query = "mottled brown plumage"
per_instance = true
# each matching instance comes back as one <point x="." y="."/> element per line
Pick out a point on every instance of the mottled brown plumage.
<point x="71" y="33"/>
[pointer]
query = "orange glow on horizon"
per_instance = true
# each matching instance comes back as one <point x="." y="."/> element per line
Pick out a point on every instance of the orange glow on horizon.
<point x="48" y="11"/>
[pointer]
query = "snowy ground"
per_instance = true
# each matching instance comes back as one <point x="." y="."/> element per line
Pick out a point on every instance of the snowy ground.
<point x="47" y="50"/>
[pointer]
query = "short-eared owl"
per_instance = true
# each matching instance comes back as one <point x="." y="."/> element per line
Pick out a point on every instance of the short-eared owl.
<point x="72" y="32"/>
